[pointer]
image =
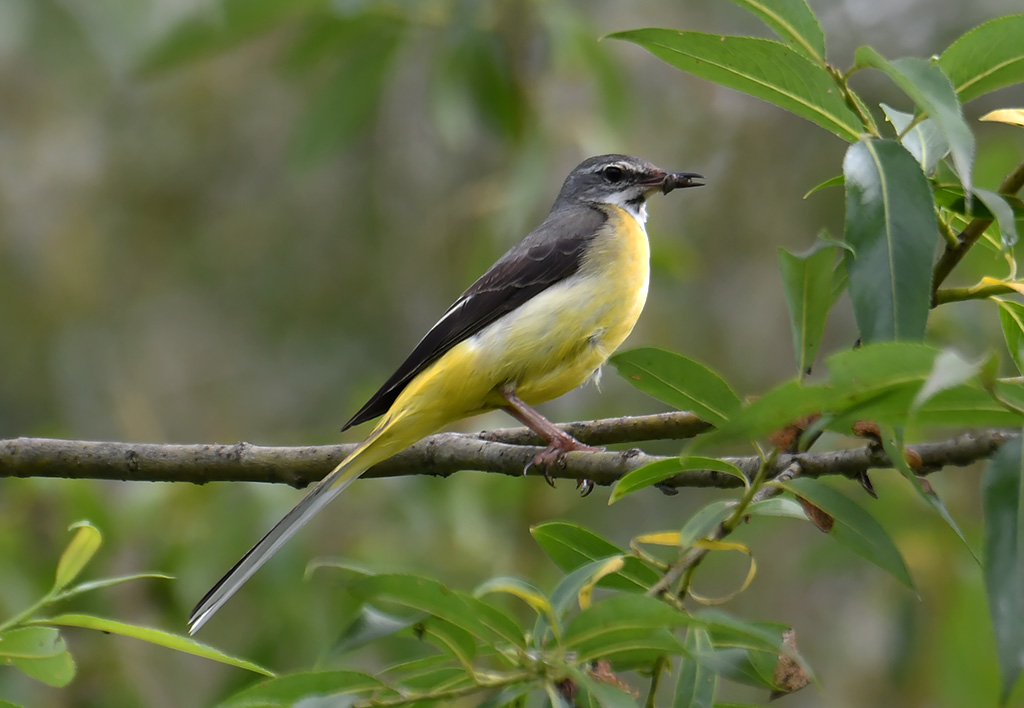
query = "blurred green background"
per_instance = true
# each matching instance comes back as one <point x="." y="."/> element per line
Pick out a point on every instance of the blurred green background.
<point x="230" y="221"/>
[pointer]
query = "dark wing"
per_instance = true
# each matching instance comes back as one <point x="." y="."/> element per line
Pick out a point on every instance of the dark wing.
<point x="550" y="253"/>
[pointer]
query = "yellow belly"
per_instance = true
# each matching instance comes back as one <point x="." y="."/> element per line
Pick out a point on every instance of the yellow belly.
<point x="549" y="345"/>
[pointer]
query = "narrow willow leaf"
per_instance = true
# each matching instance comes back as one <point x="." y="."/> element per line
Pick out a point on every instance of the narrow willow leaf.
<point x="1002" y="212"/>
<point x="237" y="21"/>
<point x="986" y="58"/>
<point x="622" y="612"/>
<point x="664" y="469"/>
<point x="1011" y="317"/>
<point x="705" y="520"/>
<point x="950" y="370"/>
<point x="485" y="622"/>
<point x="762" y="68"/>
<point x="369" y="625"/>
<point x="571" y="546"/>
<point x="80" y="551"/>
<point x="345" y="105"/>
<point x="854" y="528"/>
<point x="924" y="140"/>
<point x="526" y="592"/>
<point x="890" y="223"/>
<point x="836" y="181"/>
<point x="892" y="442"/>
<point x="286" y="691"/>
<point x="158" y="637"/>
<point x="1004" y="558"/>
<point x="794" y="22"/>
<point x="696" y="685"/>
<point x="929" y="88"/>
<point x="678" y="381"/>
<point x="807" y="281"/>
<point x="447" y="637"/>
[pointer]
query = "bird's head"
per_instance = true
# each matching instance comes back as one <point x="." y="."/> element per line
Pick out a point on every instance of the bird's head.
<point x="624" y="181"/>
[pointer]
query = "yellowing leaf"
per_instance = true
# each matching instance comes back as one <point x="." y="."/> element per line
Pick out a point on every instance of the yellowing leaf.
<point x="1013" y="116"/>
<point x="710" y="545"/>
<point x="664" y="538"/>
<point x="613" y="565"/>
<point x="83" y="546"/>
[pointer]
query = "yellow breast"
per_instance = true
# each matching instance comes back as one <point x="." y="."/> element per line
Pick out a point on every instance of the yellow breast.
<point x="550" y="344"/>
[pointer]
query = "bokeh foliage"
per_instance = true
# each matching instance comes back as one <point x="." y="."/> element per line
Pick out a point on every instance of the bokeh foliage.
<point x="198" y="207"/>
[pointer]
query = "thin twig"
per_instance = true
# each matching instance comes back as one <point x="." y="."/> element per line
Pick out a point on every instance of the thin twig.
<point x="954" y="253"/>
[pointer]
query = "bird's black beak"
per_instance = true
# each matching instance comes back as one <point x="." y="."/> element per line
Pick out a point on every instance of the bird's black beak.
<point x="681" y="180"/>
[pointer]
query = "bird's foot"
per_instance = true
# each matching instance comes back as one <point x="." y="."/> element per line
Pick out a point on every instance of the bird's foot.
<point x="554" y="454"/>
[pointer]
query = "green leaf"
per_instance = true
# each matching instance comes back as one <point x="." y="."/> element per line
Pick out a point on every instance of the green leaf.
<point x="80" y="551"/>
<point x="924" y="140"/>
<point x="807" y="281"/>
<point x="215" y="30"/>
<point x="1004" y="558"/>
<point x="57" y="671"/>
<point x="1011" y="317"/>
<point x="39" y="652"/>
<point x="794" y="22"/>
<point x="345" y="106"/>
<point x="854" y="527"/>
<point x="696" y="685"/>
<point x="892" y="442"/>
<point x="286" y="691"/>
<point x="779" y="506"/>
<point x="678" y="381"/>
<point x="987" y="58"/>
<point x="890" y="222"/>
<point x="1003" y="214"/>
<point x="566" y="595"/>
<point x="369" y="625"/>
<point x="950" y="370"/>
<point x="476" y="79"/>
<point x="926" y="84"/>
<point x="109" y="582"/>
<point x="787" y="402"/>
<point x="661" y="470"/>
<point x="762" y="68"/>
<point x="836" y="181"/>
<point x="726" y="630"/>
<point x="458" y="642"/>
<point x="31" y="643"/>
<point x="606" y="695"/>
<point x="485" y="622"/>
<point x="153" y="636"/>
<point x="571" y="546"/>
<point x="634" y="617"/>
<point x="705" y="520"/>
<point x="745" y="666"/>
<point x="526" y="592"/>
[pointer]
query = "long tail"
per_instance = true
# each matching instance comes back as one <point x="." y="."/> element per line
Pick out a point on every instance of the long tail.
<point x="374" y="449"/>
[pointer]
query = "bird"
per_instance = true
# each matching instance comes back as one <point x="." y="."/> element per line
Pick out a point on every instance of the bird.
<point x="540" y="322"/>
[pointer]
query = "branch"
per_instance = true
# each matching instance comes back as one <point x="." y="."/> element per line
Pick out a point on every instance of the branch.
<point x="953" y="254"/>
<point x="441" y="455"/>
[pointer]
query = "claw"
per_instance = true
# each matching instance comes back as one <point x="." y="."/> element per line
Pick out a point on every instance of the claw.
<point x="586" y="486"/>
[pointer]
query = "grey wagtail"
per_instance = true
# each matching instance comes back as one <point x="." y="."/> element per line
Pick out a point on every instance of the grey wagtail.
<point x="538" y="323"/>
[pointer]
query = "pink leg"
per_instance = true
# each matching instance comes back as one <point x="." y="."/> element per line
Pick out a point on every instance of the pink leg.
<point x="559" y="441"/>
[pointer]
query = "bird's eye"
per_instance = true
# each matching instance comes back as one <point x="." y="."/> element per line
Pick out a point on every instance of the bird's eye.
<point x="614" y="174"/>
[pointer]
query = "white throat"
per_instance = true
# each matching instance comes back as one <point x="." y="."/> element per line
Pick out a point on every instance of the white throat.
<point x="637" y="211"/>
